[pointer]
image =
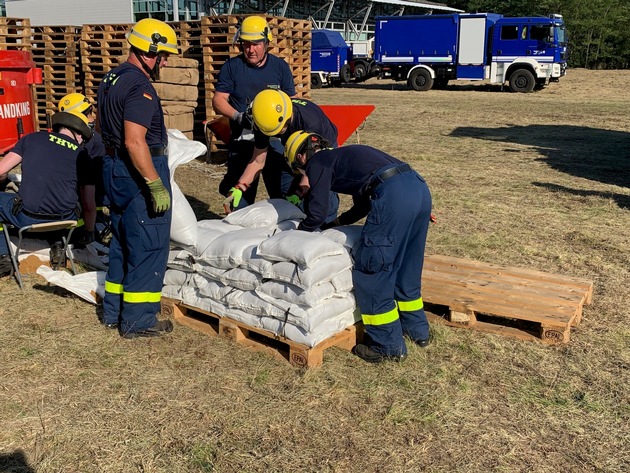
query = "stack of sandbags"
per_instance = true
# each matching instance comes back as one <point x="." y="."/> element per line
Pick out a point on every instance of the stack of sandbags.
<point x="255" y="267"/>
<point x="177" y="89"/>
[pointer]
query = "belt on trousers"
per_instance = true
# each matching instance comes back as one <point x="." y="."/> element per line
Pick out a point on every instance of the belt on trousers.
<point x="39" y="216"/>
<point x="388" y="174"/>
<point x="122" y="153"/>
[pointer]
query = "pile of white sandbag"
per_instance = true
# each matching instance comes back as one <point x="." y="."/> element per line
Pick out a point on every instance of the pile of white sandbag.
<point x="255" y="267"/>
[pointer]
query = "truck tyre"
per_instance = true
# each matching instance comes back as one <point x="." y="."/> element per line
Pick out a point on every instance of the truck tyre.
<point x="344" y="74"/>
<point x="522" y="80"/>
<point x="420" y="79"/>
<point x="316" y="81"/>
<point x="360" y="71"/>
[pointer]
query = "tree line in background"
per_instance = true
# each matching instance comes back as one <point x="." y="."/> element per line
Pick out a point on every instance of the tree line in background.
<point x="597" y="30"/>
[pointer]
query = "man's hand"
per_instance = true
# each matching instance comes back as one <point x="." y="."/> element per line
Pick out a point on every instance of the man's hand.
<point x="159" y="196"/>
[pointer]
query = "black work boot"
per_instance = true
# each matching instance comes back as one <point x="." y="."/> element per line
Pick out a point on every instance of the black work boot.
<point x="367" y="354"/>
<point x="57" y="255"/>
<point x="6" y="266"/>
<point x="161" y="327"/>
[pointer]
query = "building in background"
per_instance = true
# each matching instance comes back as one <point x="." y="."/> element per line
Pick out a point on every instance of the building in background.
<point x="353" y="18"/>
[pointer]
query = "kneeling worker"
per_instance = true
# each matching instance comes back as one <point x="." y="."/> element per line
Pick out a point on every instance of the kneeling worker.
<point x="389" y="256"/>
<point x="48" y="191"/>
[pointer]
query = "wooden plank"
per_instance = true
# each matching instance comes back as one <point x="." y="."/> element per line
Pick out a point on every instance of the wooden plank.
<point x="257" y="338"/>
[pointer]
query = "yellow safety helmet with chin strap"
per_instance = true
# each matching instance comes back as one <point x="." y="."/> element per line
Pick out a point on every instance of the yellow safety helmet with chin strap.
<point x="74" y="103"/>
<point x="153" y="36"/>
<point x="301" y="142"/>
<point x="271" y="111"/>
<point x="254" y="28"/>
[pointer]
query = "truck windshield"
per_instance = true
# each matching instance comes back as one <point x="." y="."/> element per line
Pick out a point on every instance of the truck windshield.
<point x="561" y="32"/>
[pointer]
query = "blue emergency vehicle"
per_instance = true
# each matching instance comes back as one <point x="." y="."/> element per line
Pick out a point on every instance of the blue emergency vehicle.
<point x="430" y="50"/>
<point x="330" y="58"/>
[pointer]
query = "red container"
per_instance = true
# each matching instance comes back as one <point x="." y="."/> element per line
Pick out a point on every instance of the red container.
<point x="17" y="75"/>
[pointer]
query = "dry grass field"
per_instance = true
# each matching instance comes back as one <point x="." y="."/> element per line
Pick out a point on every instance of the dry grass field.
<point x="538" y="181"/>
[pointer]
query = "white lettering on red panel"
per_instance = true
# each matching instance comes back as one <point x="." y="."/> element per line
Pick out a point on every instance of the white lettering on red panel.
<point x="12" y="110"/>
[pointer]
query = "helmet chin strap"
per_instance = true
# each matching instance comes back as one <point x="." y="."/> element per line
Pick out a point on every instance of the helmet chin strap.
<point x="154" y="73"/>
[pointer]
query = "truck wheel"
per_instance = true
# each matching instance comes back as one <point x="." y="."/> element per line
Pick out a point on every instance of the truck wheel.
<point x="344" y="74"/>
<point x="420" y="79"/>
<point x="522" y="81"/>
<point x="316" y="81"/>
<point x="360" y="71"/>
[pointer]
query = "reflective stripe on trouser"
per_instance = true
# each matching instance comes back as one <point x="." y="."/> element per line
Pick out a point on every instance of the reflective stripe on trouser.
<point x="388" y="262"/>
<point x="139" y="247"/>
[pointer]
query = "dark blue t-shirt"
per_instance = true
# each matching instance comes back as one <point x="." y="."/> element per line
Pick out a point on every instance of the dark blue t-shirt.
<point x="126" y="93"/>
<point x="306" y="116"/>
<point x="243" y="81"/>
<point x="347" y="170"/>
<point x="49" y="172"/>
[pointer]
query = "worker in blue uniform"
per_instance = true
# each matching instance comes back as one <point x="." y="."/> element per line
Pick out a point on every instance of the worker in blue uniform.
<point x="136" y="182"/>
<point x="276" y="117"/>
<point x="389" y="256"/>
<point x="48" y="190"/>
<point x="90" y="170"/>
<point x="240" y="79"/>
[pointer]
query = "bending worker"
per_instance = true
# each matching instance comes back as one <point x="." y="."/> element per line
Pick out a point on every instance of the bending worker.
<point x="90" y="169"/>
<point x="48" y="191"/>
<point x="388" y="259"/>
<point x="276" y="115"/>
<point x="136" y="181"/>
<point x="240" y="79"/>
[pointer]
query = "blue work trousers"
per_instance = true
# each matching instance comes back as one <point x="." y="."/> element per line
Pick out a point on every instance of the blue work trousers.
<point x="138" y="251"/>
<point x="388" y="263"/>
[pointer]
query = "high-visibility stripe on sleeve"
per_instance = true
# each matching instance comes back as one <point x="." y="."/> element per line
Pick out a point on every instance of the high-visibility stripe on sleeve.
<point x="380" y="319"/>
<point x="410" y="306"/>
<point x="113" y="288"/>
<point x="140" y="297"/>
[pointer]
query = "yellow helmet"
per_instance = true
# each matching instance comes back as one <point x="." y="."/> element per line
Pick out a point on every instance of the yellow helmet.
<point x="254" y="28"/>
<point x="153" y="36"/>
<point x="271" y="110"/>
<point x="74" y="103"/>
<point x="301" y="142"/>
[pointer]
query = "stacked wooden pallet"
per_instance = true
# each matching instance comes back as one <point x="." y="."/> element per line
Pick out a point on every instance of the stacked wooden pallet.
<point x="15" y="34"/>
<point x="103" y="47"/>
<point x="56" y="51"/>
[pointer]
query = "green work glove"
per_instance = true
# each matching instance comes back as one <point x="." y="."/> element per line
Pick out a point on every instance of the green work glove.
<point x="159" y="196"/>
<point x="233" y="198"/>
<point x="294" y="199"/>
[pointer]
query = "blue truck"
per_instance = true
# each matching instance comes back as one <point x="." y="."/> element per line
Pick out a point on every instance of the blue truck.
<point x="430" y="50"/>
<point x="330" y="58"/>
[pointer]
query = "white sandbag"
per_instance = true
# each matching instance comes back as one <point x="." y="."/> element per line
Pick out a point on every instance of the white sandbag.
<point x="346" y="235"/>
<point x="251" y="303"/>
<point x="265" y="214"/>
<point x="177" y="292"/>
<point x="230" y="249"/>
<point x="296" y="295"/>
<point x="342" y="282"/>
<point x="288" y="225"/>
<point x="325" y="270"/>
<point x="218" y="225"/>
<point x="85" y="285"/>
<point x="256" y="263"/>
<point x="325" y="330"/>
<point x="209" y="271"/>
<point x="174" y="277"/>
<point x="210" y="288"/>
<point x="303" y="248"/>
<point x="184" y="222"/>
<point x="180" y="259"/>
<point x="241" y="279"/>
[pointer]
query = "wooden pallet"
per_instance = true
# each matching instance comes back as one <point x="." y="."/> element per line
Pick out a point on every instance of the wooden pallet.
<point x="299" y="355"/>
<point x="503" y="300"/>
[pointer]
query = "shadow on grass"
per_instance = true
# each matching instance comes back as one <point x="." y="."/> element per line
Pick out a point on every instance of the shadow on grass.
<point x="15" y="462"/>
<point x="201" y="209"/>
<point x="402" y="85"/>
<point x="589" y="153"/>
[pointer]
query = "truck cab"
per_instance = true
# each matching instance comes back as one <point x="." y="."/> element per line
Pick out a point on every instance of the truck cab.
<point x="330" y="58"/>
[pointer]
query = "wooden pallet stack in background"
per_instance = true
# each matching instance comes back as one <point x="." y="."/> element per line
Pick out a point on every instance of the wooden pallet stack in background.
<point x="56" y="51"/>
<point x="178" y="92"/>
<point x="15" y="34"/>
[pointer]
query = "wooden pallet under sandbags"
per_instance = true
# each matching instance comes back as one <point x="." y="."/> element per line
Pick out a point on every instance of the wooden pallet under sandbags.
<point x="299" y="355"/>
<point x="503" y="300"/>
